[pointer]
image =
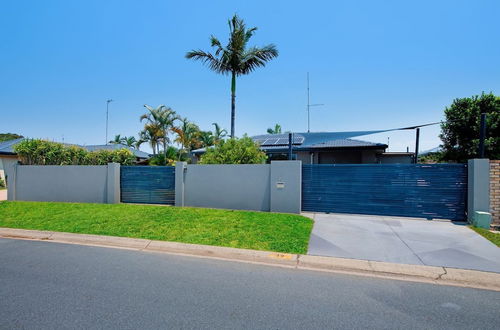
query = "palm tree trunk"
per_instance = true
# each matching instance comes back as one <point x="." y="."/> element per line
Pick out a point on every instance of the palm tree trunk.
<point x="165" y="150"/>
<point x="233" y="102"/>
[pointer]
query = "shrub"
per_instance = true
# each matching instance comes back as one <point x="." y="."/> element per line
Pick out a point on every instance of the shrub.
<point x="2" y="183"/>
<point x="234" y="151"/>
<point x="41" y="152"/>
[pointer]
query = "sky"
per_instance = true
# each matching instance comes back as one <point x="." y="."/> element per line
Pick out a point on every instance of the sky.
<point x="373" y="64"/>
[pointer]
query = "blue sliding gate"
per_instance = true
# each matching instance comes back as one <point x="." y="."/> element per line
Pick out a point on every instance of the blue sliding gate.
<point x="147" y="184"/>
<point x="412" y="190"/>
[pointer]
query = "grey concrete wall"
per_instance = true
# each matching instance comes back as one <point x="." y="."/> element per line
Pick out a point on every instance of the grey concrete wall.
<point x="82" y="184"/>
<point x="478" y="185"/>
<point x="267" y="187"/>
<point x="7" y="164"/>
<point x="239" y="187"/>
<point x="286" y="186"/>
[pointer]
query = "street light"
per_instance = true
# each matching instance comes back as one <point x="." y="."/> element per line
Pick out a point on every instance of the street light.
<point x="107" y="118"/>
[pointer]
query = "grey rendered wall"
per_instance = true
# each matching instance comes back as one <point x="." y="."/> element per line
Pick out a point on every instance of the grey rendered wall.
<point x="239" y="187"/>
<point x="286" y="186"/>
<point x="82" y="184"/>
<point x="478" y="186"/>
<point x="267" y="187"/>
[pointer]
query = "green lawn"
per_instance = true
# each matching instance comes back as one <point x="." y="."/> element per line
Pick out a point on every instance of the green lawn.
<point x="239" y="229"/>
<point x="493" y="237"/>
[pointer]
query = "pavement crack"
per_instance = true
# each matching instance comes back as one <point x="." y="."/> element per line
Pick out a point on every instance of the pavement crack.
<point x="297" y="263"/>
<point x="441" y="275"/>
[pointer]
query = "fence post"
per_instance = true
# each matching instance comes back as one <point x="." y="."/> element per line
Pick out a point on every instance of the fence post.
<point x="478" y="187"/>
<point x="113" y="184"/>
<point x="286" y="186"/>
<point x="180" y="168"/>
<point x="10" y="180"/>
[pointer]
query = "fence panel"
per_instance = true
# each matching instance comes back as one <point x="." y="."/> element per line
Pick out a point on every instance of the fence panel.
<point x="147" y="184"/>
<point x="413" y="190"/>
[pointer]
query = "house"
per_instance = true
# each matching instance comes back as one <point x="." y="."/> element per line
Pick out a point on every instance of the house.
<point x="327" y="148"/>
<point x="8" y="156"/>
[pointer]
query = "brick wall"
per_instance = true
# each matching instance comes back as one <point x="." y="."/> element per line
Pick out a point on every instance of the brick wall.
<point x="495" y="191"/>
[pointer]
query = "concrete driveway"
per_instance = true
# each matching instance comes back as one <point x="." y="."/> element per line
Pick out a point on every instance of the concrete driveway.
<point x="402" y="240"/>
<point x="3" y="194"/>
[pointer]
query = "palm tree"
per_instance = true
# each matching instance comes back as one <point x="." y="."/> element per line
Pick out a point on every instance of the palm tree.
<point x="129" y="141"/>
<point x="187" y="136"/>
<point x="206" y="138"/>
<point x="236" y="58"/>
<point x="219" y="133"/>
<point x="149" y="134"/>
<point x="275" y="130"/>
<point x="117" y="140"/>
<point x="159" y="122"/>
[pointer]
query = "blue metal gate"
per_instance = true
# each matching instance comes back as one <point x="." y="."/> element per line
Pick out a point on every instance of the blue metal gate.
<point x="413" y="190"/>
<point x="147" y="184"/>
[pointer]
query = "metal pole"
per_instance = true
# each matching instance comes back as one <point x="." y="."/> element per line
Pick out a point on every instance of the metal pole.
<point x="417" y="142"/>
<point x="308" y="105"/>
<point x="107" y="117"/>
<point x="482" y="135"/>
<point x="290" y="146"/>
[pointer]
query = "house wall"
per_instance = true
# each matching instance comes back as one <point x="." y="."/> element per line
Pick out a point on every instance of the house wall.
<point x="395" y="159"/>
<point x="495" y="192"/>
<point x="6" y="162"/>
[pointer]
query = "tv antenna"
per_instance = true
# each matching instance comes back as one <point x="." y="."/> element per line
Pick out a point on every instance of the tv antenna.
<point x="309" y="105"/>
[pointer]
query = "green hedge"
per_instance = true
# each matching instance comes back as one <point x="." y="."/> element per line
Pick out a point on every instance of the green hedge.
<point x="41" y="152"/>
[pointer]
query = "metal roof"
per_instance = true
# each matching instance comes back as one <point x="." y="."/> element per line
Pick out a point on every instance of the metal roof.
<point x="7" y="148"/>
<point x="117" y="146"/>
<point x="312" y="141"/>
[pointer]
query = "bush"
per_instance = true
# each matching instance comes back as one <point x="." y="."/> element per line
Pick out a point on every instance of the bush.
<point x="234" y="151"/>
<point x="41" y="152"/>
<point x="2" y="183"/>
<point x="159" y="160"/>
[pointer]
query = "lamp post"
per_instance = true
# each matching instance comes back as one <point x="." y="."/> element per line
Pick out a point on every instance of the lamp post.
<point x="107" y="118"/>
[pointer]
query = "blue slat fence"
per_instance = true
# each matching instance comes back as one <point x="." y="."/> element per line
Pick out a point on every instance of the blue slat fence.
<point x="412" y="190"/>
<point x="147" y="184"/>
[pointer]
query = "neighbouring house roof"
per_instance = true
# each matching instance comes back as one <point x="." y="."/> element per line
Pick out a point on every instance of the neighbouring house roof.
<point x="312" y="141"/>
<point x="430" y="151"/>
<point x="117" y="146"/>
<point x="7" y="148"/>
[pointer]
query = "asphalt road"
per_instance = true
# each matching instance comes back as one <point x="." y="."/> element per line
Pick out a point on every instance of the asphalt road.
<point x="47" y="285"/>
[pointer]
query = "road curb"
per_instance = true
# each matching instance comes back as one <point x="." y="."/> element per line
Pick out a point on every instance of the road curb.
<point x="428" y="274"/>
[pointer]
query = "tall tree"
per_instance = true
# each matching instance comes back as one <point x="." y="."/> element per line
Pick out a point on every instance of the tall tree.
<point x="235" y="58"/>
<point x="460" y="131"/>
<point x="160" y="121"/>
<point x="129" y="141"/>
<point x="275" y="130"/>
<point x="219" y="133"/>
<point x="206" y="138"/>
<point x="117" y="140"/>
<point x="187" y="136"/>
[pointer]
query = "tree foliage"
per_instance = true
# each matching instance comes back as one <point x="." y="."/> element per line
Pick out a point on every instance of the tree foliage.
<point x="236" y="58"/>
<point x="41" y="152"/>
<point x="460" y="131"/>
<point x="9" y="136"/>
<point x="234" y="151"/>
<point x="275" y="130"/>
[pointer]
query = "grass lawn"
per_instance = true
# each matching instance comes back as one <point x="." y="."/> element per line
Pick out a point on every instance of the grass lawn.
<point x="493" y="237"/>
<point x="239" y="229"/>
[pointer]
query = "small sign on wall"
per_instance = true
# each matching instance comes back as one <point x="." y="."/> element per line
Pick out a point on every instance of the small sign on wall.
<point x="280" y="185"/>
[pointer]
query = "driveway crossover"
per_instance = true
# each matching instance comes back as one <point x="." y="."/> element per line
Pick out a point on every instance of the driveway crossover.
<point x="402" y="240"/>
